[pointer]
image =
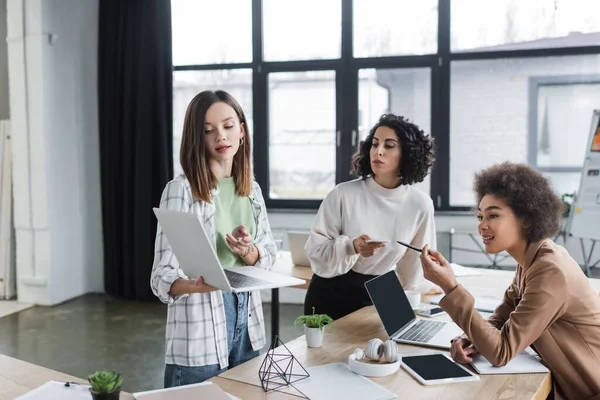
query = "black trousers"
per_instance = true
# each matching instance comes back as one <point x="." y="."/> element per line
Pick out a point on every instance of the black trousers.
<point x="337" y="296"/>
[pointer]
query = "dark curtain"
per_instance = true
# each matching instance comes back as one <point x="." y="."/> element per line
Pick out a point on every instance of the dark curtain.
<point x="135" y="86"/>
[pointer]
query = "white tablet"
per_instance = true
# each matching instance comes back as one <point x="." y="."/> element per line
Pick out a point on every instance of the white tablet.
<point x="436" y="369"/>
<point x="377" y="241"/>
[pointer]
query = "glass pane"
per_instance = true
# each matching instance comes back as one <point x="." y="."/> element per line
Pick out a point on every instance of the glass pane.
<point x="564" y="182"/>
<point x="302" y="30"/>
<point x="302" y="150"/>
<point x="517" y="24"/>
<point x="563" y="123"/>
<point x="394" y="27"/>
<point x="403" y="91"/>
<point x="490" y="112"/>
<point x="211" y="32"/>
<point x="187" y="84"/>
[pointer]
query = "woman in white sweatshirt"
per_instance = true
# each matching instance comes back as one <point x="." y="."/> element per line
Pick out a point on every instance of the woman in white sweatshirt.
<point x="380" y="205"/>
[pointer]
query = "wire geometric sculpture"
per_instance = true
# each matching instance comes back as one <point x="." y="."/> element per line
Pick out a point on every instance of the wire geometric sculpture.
<point x="277" y="369"/>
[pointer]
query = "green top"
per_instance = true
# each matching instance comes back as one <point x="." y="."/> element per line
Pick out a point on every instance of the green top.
<point x="231" y="212"/>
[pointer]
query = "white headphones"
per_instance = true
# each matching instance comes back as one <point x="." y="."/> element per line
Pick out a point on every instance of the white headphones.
<point x="376" y="349"/>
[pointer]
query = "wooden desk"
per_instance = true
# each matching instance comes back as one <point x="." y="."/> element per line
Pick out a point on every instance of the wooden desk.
<point x="354" y="330"/>
<point x="19" y="377"/>
<point x="285" y="266"/>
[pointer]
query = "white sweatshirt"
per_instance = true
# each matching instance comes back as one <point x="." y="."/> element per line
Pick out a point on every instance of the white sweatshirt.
<point x="362" y="207"/>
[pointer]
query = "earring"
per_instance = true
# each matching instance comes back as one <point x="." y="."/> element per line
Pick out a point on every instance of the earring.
<point x="241" y="141"/>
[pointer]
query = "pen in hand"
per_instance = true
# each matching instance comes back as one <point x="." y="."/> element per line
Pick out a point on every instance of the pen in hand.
<point x="411" y="247"/>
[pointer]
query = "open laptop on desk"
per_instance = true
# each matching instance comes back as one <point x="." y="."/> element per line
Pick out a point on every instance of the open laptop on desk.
<point x="197" y="257"/>
<point x="399" y="319"/>
<point x="296" y="242"/>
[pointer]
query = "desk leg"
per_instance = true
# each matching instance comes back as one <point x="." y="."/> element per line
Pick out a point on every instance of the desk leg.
<point x="274" y="313"/>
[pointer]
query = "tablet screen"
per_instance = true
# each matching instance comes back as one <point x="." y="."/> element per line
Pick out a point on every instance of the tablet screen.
<point x="434" y="366"/>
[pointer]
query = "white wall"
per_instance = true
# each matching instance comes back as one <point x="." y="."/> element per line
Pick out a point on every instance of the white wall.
<point x="4" y="101"/>
<point x="53" y="82"/>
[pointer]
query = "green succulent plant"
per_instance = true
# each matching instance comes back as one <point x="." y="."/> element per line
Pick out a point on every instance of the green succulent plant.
<point x="104" y="382"/>
<point x="315" y="320"/>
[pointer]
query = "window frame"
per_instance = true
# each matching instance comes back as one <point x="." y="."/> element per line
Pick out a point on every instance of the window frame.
<point x="347" y="69"/>
<point x="535" y="83"/>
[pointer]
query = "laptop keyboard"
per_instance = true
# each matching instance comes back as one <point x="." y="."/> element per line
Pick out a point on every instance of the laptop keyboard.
<point x="422" y="331"/>
<point x="237" y="280"/>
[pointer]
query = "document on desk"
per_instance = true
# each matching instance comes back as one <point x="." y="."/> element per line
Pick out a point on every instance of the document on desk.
<point x="484" y="304"/>
<point x="527" y="362"/>
<point x="55" y="390"/>
<point x="204" y="390"/>
<point x="337" y="381"/>
<point x="459" y="270"/>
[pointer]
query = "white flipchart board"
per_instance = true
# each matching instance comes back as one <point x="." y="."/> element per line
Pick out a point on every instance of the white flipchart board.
<point x="585" y="217"/>
<point x="7" y="261"/>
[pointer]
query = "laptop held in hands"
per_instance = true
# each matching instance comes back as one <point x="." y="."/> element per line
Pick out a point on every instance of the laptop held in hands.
<point x="197" y="258"/>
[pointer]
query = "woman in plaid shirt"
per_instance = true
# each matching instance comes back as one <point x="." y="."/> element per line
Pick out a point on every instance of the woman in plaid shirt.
<point x="209" y="330"/>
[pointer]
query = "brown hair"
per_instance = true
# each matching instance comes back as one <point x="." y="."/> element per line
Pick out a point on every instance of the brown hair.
<point x="528" y="193"/>
<point x="193" y="154"/>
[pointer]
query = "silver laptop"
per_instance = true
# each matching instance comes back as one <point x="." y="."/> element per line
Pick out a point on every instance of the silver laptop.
<point x="399" y="319"/>
<point x="196" y="257"/>
<point x="296" y="242"/>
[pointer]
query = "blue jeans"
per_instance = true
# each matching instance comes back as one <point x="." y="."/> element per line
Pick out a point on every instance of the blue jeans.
<point x="240" y="348"/>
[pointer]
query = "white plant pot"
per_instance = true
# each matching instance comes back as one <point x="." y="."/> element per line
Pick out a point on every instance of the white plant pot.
<point x="314" y="336"/>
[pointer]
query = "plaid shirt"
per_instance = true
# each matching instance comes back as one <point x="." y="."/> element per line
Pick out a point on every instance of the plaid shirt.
<point x="196" y="333"/>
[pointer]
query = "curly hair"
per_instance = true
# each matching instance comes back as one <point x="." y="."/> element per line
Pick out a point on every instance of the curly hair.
<point x="418" y="150"/>
<point x="528" y="193"/>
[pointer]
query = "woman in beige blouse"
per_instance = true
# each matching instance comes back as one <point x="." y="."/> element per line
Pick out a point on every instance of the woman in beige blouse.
<point x="550" y="304"/>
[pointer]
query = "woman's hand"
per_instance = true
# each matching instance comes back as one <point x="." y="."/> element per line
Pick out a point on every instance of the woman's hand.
<point x="462" y="350"/>
<point x="184" y="286"/>
<point x="240" y="241"/>
<point x="437" y="270"/>
<point x="434" y="290"/>
<point x="366" y="249"/>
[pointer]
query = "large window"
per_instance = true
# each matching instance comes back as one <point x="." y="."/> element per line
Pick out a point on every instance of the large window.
<point x="405" y="91"/>
<point x="302" y="151"/>
<point x="394" y="27"/>
<point x="494" y="105"/>
<point x="493" y="81"/>
<point x="187" y="84"/>
<point x="211" y="32"/>
<point x="301" y="30"/>
<point x="516" y="24"/>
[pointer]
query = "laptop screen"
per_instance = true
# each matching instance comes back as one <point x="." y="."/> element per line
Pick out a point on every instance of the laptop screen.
<point x="390" y="301"/>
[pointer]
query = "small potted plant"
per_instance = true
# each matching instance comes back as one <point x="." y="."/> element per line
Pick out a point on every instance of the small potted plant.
<point x="313" y="327"/>
<point x="567" y="199"/>
<point x="106" y="385"/>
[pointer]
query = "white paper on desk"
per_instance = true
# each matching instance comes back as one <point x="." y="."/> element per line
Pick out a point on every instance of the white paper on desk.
<point x="459" y="270"/>
<point x="55" y="390"/>
<point x="484" y="304"/>
<point x="527" y="362"/>
<point x="164" y="393"/>
<point x="337" y="381"/>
